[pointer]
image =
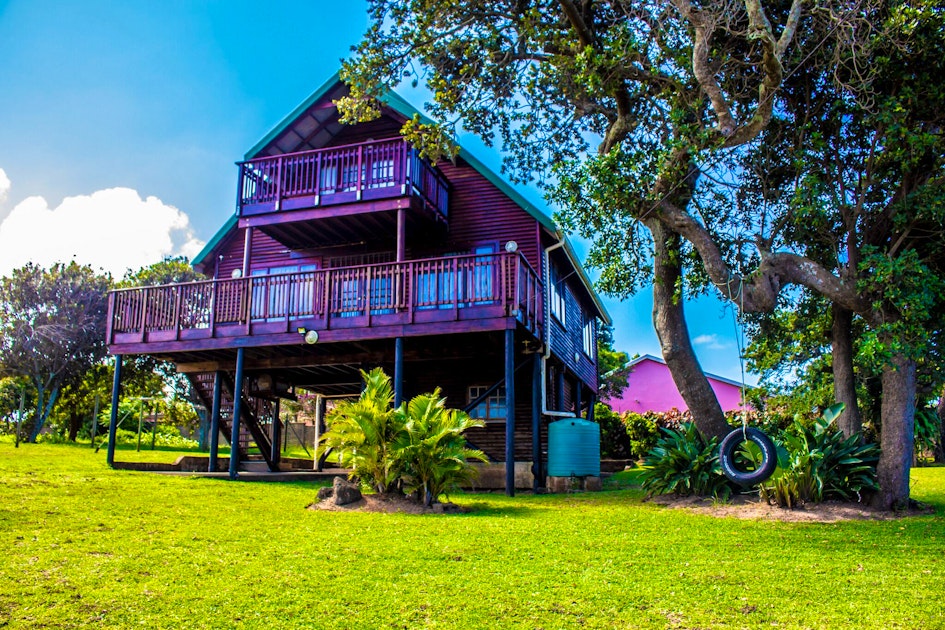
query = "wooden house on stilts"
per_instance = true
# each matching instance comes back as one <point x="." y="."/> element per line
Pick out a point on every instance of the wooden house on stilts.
<point x="348" y="251"/>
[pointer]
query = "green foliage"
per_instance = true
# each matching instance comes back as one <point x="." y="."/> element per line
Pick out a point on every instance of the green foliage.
<point x="928" y="432"/>
<point x="418" y="446"/>
<point x="817" y="463"/>
<point x="684" y="463"/>
<point x="614" y="441"/>
<point x="433" y="448"/>
<point x="612" y="365"/>
<point x="52" y="328"/>
<point x="362" y="432"/>
<point x="643" y="432"/>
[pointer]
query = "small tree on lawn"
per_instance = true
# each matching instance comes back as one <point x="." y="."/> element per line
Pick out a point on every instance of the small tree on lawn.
<point x="433" y="447"/>
<point x="363" y="431"/>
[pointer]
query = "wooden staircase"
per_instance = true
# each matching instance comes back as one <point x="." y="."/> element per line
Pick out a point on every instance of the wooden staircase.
<point x="257" y="416"/>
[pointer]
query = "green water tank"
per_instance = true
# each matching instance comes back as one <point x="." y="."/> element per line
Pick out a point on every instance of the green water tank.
<point x="573" y="448"/>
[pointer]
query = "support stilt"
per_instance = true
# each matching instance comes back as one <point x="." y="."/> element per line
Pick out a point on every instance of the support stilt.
<point x="537" y="465"/>
<point x="398" y="371"/>
<point x="113" y="417"/>
<point x="237" y="408"/>
<point x="510" y="412"/>
<point x="215" y="420"/>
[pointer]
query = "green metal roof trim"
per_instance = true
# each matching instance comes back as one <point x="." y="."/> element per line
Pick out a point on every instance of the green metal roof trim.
<point x="288" y="120"/>
<point x="216" y="240"/>
<point x="401" y="106"/>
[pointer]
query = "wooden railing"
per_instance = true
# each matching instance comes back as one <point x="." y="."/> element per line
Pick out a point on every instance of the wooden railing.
<point x="370" y="170"/>
<point x="416" y="291"/>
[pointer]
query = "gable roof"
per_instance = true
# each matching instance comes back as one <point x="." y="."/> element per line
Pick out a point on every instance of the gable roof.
<point x="714" y="377"/>
<point x="402" y="107"/>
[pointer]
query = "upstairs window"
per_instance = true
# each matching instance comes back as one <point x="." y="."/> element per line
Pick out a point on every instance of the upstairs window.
<point x="588" y="338"/>
<point x="492" y="408"/>
<point x="556" y="296"/>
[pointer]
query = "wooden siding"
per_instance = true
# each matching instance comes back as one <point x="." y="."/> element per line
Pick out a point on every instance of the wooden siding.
<point x="567" y="340"/>
<point x="455" y="377"/>
<point x="266" y="253"/>
<point x="481" y="213"/>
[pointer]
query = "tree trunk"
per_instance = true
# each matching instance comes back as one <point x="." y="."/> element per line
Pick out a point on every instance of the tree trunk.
<point x="897" y="434"/>
<point x="75" y="423"/>
<point x="673" y="333"/>
<point x="844" y="380"/>
<point x="940" y="447"/>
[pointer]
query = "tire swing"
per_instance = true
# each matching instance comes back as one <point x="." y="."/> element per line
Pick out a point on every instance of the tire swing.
<point x="729" y="446"/>
<point x="731" y="442"/>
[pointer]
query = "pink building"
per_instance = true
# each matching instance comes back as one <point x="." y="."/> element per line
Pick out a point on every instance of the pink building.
<point x="651" y="388"/>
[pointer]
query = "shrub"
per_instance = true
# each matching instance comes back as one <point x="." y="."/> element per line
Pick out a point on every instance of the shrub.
<point x="684" y="463"/>
<point x="614" y="441"/>
<point x="362" y="431"/>
<point x="817" y="462"/>
<point x="418" y="446"/>
<point x="432" y="447"/>
<point x="643" y="429"/>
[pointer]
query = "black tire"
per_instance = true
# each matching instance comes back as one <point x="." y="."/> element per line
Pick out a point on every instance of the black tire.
<point x="769" y="456"/>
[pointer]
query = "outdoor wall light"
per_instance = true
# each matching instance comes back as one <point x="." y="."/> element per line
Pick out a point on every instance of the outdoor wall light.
<point x="310" y="336"/>
<point x="511" y="247"/>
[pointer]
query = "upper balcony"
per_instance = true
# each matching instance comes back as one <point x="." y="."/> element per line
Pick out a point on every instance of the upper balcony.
<point x="385" y="169"/>
<point x="452" y="294"/>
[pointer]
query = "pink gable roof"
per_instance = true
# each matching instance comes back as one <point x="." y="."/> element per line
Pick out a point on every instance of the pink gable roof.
<point x="651" y="388"/>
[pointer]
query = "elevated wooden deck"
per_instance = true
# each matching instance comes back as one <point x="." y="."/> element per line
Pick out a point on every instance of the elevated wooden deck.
<point x="433" y="296"/>
<point x="368" y="171"/>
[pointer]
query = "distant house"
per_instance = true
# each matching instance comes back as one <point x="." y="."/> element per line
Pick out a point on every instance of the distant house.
<point x="651" y="388"/>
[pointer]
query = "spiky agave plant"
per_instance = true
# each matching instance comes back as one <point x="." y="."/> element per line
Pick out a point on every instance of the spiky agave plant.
<point x="433" y="448"/>
<point x="362" y="433"/>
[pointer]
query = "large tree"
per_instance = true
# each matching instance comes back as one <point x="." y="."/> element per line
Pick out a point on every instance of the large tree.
<point x="679" y="96"/>
<point x="52" y="328"/>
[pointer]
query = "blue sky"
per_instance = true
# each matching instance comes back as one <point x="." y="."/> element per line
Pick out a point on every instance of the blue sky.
<point x="120" y="123"/>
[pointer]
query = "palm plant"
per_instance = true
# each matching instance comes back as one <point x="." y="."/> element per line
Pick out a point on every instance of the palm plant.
<point x="684" y="463"/>
<point x="363" y="431"/>
<point x="432" y="446"/>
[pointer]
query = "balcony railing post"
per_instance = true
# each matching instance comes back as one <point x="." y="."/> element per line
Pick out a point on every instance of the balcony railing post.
<point x="177" y="302"/>
<point x="516" y="304"/>
<point x="110" y="317"/>
<point x="360" y="173"/>
<point x="144" y="313"/>
<point x="278" y="202"/>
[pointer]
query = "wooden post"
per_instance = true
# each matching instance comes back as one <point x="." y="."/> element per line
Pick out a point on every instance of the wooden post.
<point x="237" y="408"/>
<point x="98" y="401"/>
<point x="319" y="414"/>
<point x="247" y="250"/>
<point x="398" y="371"/>
<point x="401" y="234"/>
<point x="510" y="412"/>
<point x="577" y="399"/>
<point x="215" y="420"/>
<point x="537" y="467"/>
<point x="140" y="422"/>
<point x="19" y="416"/>
<point x="276" y="453"/>
<point x="113" y="418"/>
<point x="591" y="401"/>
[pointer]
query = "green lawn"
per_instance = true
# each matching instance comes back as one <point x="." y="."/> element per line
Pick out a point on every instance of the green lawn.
<point x="86" y="545"/>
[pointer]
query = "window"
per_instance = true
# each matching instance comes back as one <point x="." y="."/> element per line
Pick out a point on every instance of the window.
<point x="556" y="296"/>
<point x="492" y="408"/>
<point x="587" y="335"/>
<point x="274" y="292"/>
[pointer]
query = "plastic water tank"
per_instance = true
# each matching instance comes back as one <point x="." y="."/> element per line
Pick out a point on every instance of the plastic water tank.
<point x="573" y="448"/>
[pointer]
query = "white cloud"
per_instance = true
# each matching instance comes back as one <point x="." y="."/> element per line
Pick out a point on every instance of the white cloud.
<point x="711" y="342"/>
<point x="4" y="185"/>
<point x="113" y="229"/>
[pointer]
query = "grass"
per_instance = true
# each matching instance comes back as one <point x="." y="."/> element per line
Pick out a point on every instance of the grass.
<point x="88" y="545"/>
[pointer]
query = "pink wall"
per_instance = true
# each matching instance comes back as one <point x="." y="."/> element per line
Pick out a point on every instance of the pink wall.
<point x="651" y="388"/>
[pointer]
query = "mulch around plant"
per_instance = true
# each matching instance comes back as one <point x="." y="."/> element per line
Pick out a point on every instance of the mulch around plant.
<point x="751" y="507"/>
<point x="389" y="504"/>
